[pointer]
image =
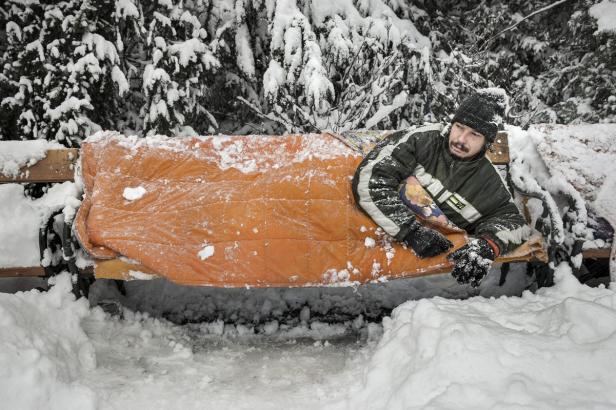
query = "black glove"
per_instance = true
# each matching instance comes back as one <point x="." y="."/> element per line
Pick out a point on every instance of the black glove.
<point x="473" y="261"/>
<point x="426" y="242"/>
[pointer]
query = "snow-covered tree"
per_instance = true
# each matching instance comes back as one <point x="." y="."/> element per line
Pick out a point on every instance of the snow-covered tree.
<point x="174" y="80"/>
<point x="65" y="71"/>
<point x="23" y="69"/>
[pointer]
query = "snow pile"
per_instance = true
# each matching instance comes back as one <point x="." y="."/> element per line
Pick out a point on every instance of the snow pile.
<point x="43" y="350"/>
<point x="552" y="350"/>
<point x="605" y="13"/>
<point x="15" y="155"/>
<point x="21" y="218"/>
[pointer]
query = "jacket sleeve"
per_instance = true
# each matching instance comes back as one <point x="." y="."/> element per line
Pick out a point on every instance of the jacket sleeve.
<point x="377" y="181"/>
<point x="505" y="226"/>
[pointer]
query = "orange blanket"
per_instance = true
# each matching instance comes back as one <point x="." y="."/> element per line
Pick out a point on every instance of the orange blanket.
<point x="236" y="211"/>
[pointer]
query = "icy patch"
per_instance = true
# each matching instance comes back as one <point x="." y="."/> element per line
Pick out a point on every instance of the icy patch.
<point x="132" y="194"/>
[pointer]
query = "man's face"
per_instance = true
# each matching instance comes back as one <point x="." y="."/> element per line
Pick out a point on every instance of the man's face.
<point x="464" y="141"/>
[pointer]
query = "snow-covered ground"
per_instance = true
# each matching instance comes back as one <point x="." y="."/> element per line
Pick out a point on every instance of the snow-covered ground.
<point x="554" y="349"/>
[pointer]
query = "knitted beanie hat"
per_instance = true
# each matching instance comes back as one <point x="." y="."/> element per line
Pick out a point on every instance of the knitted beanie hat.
<point x="483" y="111"/>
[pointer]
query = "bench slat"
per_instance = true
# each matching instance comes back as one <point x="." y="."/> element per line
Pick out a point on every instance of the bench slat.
<point x="598" y="253"/>
<point x="499" y="151"/>
<point x="57" y="166"/>
<point x="30" y="271"/>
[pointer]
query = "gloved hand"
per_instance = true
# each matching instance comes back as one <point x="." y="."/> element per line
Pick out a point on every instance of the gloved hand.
<point x="472" y="261"/>
<point x="426" y="242"/>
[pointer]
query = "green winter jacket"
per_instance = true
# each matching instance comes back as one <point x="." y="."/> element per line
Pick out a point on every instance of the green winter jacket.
<point x="470" y="193"/>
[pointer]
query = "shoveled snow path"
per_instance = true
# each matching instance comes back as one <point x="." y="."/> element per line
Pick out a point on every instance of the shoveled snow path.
<point x="152" y="364"/>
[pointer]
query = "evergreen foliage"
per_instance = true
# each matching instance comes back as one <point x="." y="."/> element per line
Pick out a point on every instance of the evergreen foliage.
<point x="235" y="66"/>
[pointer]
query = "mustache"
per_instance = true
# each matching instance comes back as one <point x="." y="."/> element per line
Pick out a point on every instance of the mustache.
<point x="459" y="146"/>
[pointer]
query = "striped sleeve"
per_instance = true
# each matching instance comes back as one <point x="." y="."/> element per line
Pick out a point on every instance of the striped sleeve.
<point x="378" y="178"/>
<point x="505" y="226"/>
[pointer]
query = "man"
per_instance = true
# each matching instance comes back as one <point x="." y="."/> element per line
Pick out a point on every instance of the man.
<point x="453" y="169"/>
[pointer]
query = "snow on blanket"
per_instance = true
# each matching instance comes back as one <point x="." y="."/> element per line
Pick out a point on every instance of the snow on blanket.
<point x="555" y="349"/>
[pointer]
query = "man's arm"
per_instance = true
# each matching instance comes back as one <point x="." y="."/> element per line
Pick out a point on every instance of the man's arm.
<point x="506" y="227"/>
<point x="376" y="185"/>
<point x="377" y="181"/>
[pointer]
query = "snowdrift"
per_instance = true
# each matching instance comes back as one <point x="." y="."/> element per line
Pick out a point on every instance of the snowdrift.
<point x="44" y="350"/>
<point x="236" y="211"/>
<point x="555" y="349"/>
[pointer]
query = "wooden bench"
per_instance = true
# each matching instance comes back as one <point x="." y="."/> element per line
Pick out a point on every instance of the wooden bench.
<point x="59" y="164"/>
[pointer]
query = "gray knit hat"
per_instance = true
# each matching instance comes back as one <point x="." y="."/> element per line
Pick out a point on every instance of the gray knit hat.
<point x="483" y="111"/>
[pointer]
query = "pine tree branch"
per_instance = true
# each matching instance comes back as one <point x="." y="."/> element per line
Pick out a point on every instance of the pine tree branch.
<point x="541" y="10"/>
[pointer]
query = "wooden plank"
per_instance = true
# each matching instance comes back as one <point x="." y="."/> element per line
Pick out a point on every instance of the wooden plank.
<point x="499" y="151"/>
<point x="120" y="269"/>
<point x="57" y="166"/>
<point x="597" y="253"/>
<point x="24" y="272"/>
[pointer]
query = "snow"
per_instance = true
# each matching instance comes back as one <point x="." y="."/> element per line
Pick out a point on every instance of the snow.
<point x="605" y="13"/>
<point x="44" y="350"/>
<point x="369" y="242"/>
<point x="132" y="194"/>
<point x="229" y="152"/>
<point x="68" y="105"/>
<point x="551" y="350"/>
<point x="21" y="218"/>
<point x="18" y="154"/>
<point x="206" y="252"/>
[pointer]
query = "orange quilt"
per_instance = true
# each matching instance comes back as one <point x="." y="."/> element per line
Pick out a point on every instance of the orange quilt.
<point x="237" y="211"/>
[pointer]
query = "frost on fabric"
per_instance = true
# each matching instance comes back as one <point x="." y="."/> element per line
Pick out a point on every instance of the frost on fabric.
<point x="231" y="151"/>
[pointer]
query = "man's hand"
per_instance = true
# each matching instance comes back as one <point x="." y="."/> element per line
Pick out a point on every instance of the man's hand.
<point x="472" y="261"/>
<point x="426" y="242"/>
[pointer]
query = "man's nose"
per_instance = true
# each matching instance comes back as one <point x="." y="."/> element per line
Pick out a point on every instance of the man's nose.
<point x="463" y="137"/>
